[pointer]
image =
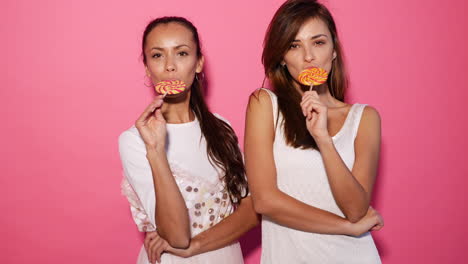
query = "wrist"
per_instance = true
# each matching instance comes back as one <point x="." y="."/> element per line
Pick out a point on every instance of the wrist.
<point x="323" y="141"/>
<point x="349" y="228"/>
<point x="154" y="150"/>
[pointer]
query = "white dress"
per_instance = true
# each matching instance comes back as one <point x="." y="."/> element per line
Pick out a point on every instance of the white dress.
<point x="199" y="182"/>
<point x="301" y="174"/>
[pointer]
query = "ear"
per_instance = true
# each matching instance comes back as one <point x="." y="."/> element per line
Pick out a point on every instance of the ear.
<point x="283" y="63"/>
<point x="200" y="64"/>
<point x="334" y="54"/>
<point x="147" y="71"/>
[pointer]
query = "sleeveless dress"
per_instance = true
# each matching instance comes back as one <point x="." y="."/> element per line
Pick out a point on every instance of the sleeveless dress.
<point x="301" y="174"/>
<point x="198" y="180"/>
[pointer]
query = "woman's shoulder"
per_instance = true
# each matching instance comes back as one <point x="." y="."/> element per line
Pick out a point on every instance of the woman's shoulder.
<point x="369" y="113"/>
<point x="262" y="110"/>
<point x="263" y="94"/>
<point x="369" y="119"/>
<point x="131" y="136"/>
<point x="261" y="99"/>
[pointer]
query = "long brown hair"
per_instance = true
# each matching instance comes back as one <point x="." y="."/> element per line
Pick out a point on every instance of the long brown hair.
<point x="221" y="141"/>
<point x="281" y="32"/>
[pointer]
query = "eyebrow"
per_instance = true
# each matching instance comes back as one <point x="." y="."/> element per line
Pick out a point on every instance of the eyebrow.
<point x="177" y="47"/>
<point x="314" y="37"/>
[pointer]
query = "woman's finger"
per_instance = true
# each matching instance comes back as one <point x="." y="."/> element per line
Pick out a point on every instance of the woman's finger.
<point x="308" y="108"/>
<point x="313" y="94"/>
<point x="159" y="250"/>
<point x="318" y="106"/>
<point x="156" y="250"/>
<point x="311" y="99"/>
<point x="315" y="109"/>
<point x="149" y="236"/>
<point x="157" y="102"/>
<point x="305" y="106"/>
<point x="158" y="114"/>
<point x="150" y="251"/>
<point x="377" y="227"/>
<point x="381" y="220"/>
<point x="306" y="97"/>
<point x="313" y="106"/>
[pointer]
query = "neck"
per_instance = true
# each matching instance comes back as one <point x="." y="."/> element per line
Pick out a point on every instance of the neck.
<point x="325" y="96"/>
<point x="177" y="110"/>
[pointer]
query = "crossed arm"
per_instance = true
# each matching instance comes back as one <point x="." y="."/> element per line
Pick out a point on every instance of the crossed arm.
<point x="261" y="172"/>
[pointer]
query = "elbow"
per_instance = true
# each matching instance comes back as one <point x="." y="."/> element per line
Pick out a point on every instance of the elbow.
<point x="176" y="239"/>
<point x="354" y="212"/>
<point x="247" y="211"/>
<point x="356" y="215"/>
<point x="181" y="242"/>
<point x="354" y="219"/>
<point x="262" y="206"/>
<point x="255" y="220"/>
<point x="265" y="202"/>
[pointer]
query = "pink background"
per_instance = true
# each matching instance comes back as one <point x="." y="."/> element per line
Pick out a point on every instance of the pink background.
<point x="72" y="81"/>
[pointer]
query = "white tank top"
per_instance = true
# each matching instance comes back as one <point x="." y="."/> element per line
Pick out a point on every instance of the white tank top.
<point x="301" y="174"/>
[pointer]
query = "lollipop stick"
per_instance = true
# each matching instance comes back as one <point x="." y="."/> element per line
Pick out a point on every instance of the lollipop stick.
<point x="311" y="87"/>
<point x="164" y="95"/>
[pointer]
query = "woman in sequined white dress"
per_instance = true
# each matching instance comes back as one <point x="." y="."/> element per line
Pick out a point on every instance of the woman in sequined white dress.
<point x="311" y="158"/>
<point x="184" y="173"/>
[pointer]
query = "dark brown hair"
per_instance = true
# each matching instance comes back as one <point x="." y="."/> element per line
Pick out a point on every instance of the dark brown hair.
<point x="281" y="32"/>
<point x="222" y="144"/>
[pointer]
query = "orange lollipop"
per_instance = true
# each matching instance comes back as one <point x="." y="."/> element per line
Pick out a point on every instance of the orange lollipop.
<point x="170" y="87"/>
<point x="313" y="76"/>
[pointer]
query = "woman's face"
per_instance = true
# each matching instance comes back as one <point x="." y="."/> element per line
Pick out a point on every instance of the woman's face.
<point x="171" y="53"/>
<point x="312" y="46"/>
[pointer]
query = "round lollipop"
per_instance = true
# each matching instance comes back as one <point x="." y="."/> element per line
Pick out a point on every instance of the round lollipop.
<point x="313" y="76"/>
<point x="170" y="87"/>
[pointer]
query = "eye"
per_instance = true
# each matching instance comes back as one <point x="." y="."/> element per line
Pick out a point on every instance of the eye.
<point x="293" y="46"/>
<point x="157" y="55"/>
<point x="319" y="43"/>
<point x="183" y="53"/>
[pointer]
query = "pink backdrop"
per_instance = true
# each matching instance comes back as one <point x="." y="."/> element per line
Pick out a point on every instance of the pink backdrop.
<point x="72" y="81"/>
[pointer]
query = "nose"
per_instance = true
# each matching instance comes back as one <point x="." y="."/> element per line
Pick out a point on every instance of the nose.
<point x="170" y="66"/>
<point x="309" y="55"/>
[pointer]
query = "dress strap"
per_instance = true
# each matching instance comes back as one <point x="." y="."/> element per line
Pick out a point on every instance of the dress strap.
<point x="274" y="104"/>
<point x="356" y="118"/>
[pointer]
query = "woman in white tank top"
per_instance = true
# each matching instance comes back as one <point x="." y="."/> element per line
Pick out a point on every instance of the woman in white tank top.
<point x="311" y="158"/>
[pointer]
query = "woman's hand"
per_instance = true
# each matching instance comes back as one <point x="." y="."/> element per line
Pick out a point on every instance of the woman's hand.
<point x="372" y="221"/>
<point x="152" y="125"/>
<point x="155" y="246"/>
<point x="316" y="114"/>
